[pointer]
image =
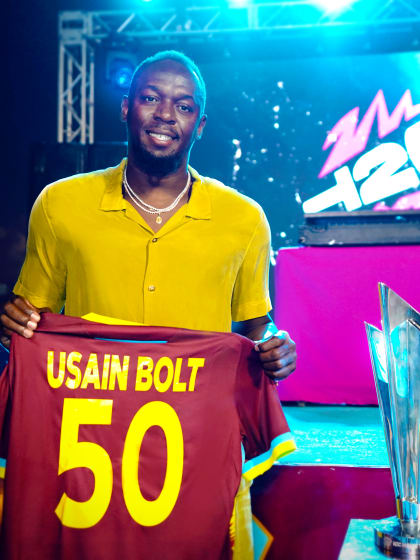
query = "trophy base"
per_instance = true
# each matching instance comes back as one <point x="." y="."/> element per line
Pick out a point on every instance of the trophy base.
<point x="390" y="541"/>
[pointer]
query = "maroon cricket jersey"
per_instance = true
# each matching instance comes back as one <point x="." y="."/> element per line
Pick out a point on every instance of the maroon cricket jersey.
<point x="129" y="442"/>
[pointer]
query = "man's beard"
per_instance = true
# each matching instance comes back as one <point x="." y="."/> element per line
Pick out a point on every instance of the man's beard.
<point x="154" y="165"/>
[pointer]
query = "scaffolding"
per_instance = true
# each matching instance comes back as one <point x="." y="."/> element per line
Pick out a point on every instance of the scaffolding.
<point x="81" y="32"/>
<point x="76" y="73"/>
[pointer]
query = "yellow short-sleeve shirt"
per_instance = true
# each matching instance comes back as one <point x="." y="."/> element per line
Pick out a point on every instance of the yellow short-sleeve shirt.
<point x="89" y="249"/>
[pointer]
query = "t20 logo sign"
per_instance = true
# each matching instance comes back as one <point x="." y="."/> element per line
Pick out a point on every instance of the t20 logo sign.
<point x="384" y="170"/>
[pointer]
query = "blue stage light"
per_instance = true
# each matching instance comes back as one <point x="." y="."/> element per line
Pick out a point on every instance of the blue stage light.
<point x="239" y="3"/>
<point x="123" y="75"/>
<point x="334" y="6"/>
<point x="119" y="68"/>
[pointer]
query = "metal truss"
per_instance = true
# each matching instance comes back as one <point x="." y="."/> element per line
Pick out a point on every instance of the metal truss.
<point x="81" y="32"/>
<point x="75" y="79"/>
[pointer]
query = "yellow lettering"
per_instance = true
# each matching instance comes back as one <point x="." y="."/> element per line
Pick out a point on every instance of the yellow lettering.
<point x="163" y="362"/>
<point x="91" y="374"/>
<point x="144" y="373"/>
<point x="75" y="454"/>
<point x="55" y="382"/>
<point x="194" y="364"/>
<point x="73" y="370"/>
<point x="119" y="373"/>
<point x="105" y="371"/>
<point x="179" y="386"/>
<point x="143" y="510"/>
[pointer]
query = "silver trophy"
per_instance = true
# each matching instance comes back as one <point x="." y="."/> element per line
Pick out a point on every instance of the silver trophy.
<point x="395" y="355"/>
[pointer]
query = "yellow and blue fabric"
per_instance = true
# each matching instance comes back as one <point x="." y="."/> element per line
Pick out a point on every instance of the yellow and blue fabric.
<point x="251" y="539"/>
<point x="282" y="445"/>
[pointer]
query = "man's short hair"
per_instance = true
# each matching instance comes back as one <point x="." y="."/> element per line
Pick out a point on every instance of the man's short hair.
<point x="179" y="57"/>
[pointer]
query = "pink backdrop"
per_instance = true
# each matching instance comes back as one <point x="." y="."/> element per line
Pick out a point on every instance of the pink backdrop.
<point x="323" y="297"/>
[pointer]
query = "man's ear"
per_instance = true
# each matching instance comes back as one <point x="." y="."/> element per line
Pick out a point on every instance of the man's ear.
<point x="124" y="108"/>
<point x="200" y="128"/>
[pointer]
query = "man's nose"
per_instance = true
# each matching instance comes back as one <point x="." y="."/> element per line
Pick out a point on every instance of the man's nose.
<point x="165" y="111"/>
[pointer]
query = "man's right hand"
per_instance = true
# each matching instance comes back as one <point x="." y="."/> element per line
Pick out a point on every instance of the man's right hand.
<point x="19" y="316"/>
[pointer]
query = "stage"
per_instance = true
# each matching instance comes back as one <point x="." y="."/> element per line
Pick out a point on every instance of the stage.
<point x="309" y="106"/>
<point x="338" y="473"/>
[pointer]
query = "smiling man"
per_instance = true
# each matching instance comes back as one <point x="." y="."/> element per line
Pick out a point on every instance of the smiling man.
<point x="152" y="241"/>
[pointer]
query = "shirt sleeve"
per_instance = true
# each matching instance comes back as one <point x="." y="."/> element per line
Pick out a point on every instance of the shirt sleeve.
<point x="43" y="275"/>
<point x="251" y="291"/>
<point x="266" y="436"/>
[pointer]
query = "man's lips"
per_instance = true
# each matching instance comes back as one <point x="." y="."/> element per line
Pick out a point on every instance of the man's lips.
<point x="162" y="135"/>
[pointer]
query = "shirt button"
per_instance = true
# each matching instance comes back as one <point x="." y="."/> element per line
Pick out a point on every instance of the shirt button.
<point x="154" y="240"/>
<point x="151" y="288"/>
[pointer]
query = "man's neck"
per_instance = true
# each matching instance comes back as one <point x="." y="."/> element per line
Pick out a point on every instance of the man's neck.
<point x="144" y="181"/>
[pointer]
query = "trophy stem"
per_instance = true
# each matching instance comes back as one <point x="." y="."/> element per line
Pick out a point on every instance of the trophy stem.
<point x="408" y="514"/>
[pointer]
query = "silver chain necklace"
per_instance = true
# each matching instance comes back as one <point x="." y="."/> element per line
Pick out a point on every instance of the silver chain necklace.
<point x="148" y="207"/>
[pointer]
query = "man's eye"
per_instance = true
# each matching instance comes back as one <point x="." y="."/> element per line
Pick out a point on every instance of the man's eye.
<point x="149" y="98"/>
<point x="185" y="108"/>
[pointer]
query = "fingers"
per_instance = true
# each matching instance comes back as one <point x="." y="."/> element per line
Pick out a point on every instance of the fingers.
<point x="26" y="307"/>
<point x="19" y="316"/>
<point x="276" y="348"/>
<point x="279" y="339"/>
<point x="277" y="362"/>
<point x="279" y="369"/>
<point x="277" y="355"/>
<point x="270" y="352"/>
<point x="280" y="374"/>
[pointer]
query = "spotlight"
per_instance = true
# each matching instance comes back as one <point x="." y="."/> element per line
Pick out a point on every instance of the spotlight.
<point x="119" y="68"/>
<point x="239" y="3"/>
<point x="334" y="6"/>
<point x="123" y="75"/>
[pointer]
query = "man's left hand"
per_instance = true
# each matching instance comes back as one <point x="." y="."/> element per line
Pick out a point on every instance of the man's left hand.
<point x="277" y="354"/>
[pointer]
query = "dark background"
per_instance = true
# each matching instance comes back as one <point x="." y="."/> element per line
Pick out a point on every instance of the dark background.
<point x="313" y="82"/>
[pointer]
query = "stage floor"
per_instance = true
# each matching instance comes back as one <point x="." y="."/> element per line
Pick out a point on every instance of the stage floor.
<point x="336" y="435"/>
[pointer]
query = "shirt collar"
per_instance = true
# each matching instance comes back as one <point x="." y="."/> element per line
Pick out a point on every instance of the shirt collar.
<point x="112" y="198"/>
<point x="198" y="207"/>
